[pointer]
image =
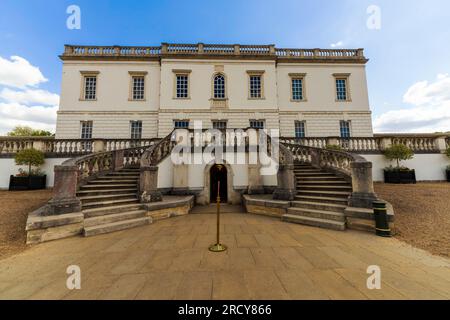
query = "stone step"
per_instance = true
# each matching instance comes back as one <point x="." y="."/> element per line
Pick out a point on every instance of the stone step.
<point x="96" y="212"/>
<point x="111" y="218"/>
<point x="114" y="181"/>
<point x="337" y="181"/>
<point x="120" y="173"/>
<point x="104" y="197"/>
<point x="82" y="193"/>
<point x="116" y="226"/>
<point x="333" y="200"/>
<point x="324" y="193"/>
<point x="109" y="203"/>
<point x="324" y="187"/>
<point x="108" y="186"/>
<point x="314" y="222"/>
<point x="125" y="177"/>
<point x="314" y="174"/>
<point x="320" y="178"/>
<point x="307" y="171"/>
<point x="318" y="214"/>
<point x="319" y="205"/>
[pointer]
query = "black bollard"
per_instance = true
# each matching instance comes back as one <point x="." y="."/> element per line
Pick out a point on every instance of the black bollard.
<point x="381" y="219"/>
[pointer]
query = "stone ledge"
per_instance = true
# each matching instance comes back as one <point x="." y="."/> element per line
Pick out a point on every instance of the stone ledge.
<point x="264" y="205"/>
<point x="171" y="206"/>
<point x="36" y="221"/>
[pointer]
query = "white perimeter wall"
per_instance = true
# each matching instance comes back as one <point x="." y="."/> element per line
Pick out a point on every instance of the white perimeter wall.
<point x="8" y="168"/>
<point x="429" y="167"/>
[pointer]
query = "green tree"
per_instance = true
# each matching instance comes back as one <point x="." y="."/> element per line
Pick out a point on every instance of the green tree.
<point x="30" y="157"/>
<point x="25" y="131"/>
<point x="398" y="152"/>
<point x="334" y="147"/>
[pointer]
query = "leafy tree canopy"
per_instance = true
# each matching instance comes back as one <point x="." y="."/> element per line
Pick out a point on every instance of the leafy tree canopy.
<point x="30" y="157"/>
<point x="25" y="131"/>
<point x="398" y="152"/>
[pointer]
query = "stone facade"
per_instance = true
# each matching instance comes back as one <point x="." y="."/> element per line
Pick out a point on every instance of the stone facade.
<point x="113" y="107"/>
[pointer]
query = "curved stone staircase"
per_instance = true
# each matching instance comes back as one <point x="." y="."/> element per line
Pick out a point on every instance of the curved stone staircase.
<point x="110" y="203"/>
<point x="321" y="198"/>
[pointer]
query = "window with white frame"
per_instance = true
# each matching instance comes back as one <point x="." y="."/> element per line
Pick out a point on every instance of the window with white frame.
<point x="182" y="86"/>
<point x="300" y="131"/>
<point x="138" y="87"/>
<point x="219" y="124"/>
<point x="298" y="87"/>
<point x="90" y="87"/>
<point x="181" y="124"/>
<point x="257" y="124"/>
<point x="86" y="134"/>
<point x="86" y="129"/>
<point x="136" y="129"/>
<point x="255" y="86"/>
<point x="219" y="86"/>
<point x="341" y="89"/>
<point x="345" y="129"/>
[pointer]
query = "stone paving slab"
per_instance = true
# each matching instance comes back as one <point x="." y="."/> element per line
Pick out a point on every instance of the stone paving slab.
<point x="267" y="259"/>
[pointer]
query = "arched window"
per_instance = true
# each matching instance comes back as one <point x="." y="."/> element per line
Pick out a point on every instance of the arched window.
<point x="219" y="86"/>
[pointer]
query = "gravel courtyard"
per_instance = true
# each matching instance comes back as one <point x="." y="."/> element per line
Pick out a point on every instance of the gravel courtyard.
<point x="422" y="214"/>
<point x="14" y="210"/>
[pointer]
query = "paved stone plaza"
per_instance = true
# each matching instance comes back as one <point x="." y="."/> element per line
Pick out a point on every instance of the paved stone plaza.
<point x="267" y="259"/>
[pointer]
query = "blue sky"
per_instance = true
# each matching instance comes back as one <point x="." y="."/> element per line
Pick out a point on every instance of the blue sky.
<point x="409" y="86"/>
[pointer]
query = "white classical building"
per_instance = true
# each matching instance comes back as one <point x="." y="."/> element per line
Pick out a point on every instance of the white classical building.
<point x="146" y="92"/>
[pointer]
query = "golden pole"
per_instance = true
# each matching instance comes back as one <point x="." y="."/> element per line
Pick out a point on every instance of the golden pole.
<point x="218" y="247"/>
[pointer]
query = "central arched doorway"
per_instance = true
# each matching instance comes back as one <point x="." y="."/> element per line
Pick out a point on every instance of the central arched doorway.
<point x="218" y="173"/>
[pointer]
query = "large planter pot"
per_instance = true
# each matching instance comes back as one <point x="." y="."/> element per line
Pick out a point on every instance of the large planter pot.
<point x="448" y="175"/>
<point x="27" y="183"/>
<point x="400" y="176"/>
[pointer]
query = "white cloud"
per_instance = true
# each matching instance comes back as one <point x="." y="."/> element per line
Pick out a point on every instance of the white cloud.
<point x="37" y="117"/>
<point x="30" y="96"/>
<point x="19" y="73"/>
<point x="26" y="105"/>
<point x="338" y="44"/>
<point x="430" y="111"/>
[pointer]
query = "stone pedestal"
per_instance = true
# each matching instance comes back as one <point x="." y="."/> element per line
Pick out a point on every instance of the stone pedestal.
<point x="362" y="182"/>
<point x="286" y="189"/>
<point x="117" y="160"/>
<point x="255" y="182"/>
<point x="64" y="192"/>
<point x="148" y="188"/>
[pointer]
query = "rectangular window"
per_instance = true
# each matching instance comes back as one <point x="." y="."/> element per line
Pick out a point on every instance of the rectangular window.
<point x="257" y="124"/>
<point x="182" y="86"/>
<point x="220" y="125"/>
<point x="90" y="87"/>
<point x="345" y="129"/>
<point x="297" y="89"/>
<point x="86" y="133"/>
<point x="86" y="129"/>
<point x="136" y="129"/>
<point x="138" y="87"/>
<point x="300" y="131"/>
<point x="341" y="89"/>
<point x="255" y="87"/>
<point x="181" y="124"/>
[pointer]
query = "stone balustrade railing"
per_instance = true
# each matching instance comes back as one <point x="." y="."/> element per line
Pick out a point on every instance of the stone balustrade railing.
<point x="372" y="145"/>
<point x="201" y="49"/>
<point x="67" y="148"/>
<point x="353" y="166"/>
<point x="77" y="171"/>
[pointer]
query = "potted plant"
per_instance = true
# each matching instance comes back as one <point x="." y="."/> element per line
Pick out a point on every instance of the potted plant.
<point x="31" y="179"/>
<point x="447" y="152"/>
<point x="399" y="174"/>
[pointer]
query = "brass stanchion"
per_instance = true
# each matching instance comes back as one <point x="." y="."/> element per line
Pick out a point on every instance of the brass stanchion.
<point x="218" y="247"/>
